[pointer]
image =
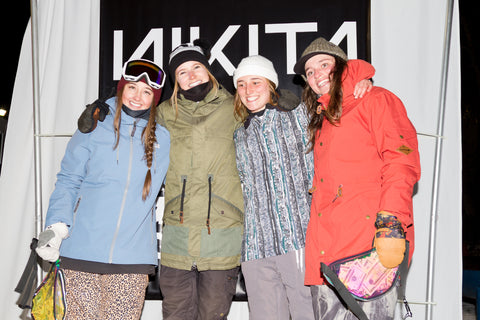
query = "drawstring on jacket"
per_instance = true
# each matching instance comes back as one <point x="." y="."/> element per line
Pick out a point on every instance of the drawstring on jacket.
<point x="339" y="193"/>
<point x="182" y="200"/>
<point x="209" y="201"/>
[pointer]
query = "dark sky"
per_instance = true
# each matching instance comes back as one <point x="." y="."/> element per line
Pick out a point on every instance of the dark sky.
<point x="470" y="77"/>
<point x="13" y="23"/>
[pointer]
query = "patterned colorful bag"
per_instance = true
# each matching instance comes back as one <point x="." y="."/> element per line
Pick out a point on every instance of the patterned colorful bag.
<point x="363" y="277"/>
<point x="49" y="298"/>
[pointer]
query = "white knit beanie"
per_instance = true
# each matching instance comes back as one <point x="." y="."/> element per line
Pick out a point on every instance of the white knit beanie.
<point x="255" y="66"/>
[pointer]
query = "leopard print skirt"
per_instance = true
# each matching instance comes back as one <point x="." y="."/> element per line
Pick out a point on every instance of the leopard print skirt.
<point x="104" y="296"/>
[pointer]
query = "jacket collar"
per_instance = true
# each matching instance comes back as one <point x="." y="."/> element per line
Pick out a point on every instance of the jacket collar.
<point x="126" y="118"/>
<point x="137" y="114"/>
<point x="260" y="113"/>
<point x="205" y="106"/>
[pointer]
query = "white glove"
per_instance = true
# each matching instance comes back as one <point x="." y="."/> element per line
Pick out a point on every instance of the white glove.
<point x="49" y="241"/>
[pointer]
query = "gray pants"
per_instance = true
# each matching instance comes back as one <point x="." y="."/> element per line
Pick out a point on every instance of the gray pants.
<point x="197" y="295"/>
<point x="275" y="288"/>
<point x="328" y="306"/>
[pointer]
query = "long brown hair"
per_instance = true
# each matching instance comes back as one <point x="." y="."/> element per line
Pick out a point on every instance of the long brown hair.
<point x="240" y="110"/>
<point x="148" y="139"/>
<point x="333" y="111"/>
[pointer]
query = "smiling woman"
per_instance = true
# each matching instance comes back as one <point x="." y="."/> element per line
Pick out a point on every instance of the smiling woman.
<point x="276" y="171"/>
<point x="191" y="74"/>
<point x="137" y="96"/>
<point x="202" y="224"/>
<point x="254" y="92"/>
<point x="355" y="142"/>
<point x="92" y="208"/>
<point x="317" y="70"/>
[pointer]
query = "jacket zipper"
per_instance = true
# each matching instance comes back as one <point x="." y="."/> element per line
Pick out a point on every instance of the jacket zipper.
<point x="153" y="235"/>
<point x="125" y="192"/>
<point x="184" y="182"/>
<point x="75" y="211"/>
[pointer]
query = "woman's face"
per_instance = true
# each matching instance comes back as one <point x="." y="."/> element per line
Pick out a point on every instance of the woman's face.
<point x="317" y="70"/>
<point x="137" y="95"/>
<point x="254" y="92"/>
<point x="190" y="74"/>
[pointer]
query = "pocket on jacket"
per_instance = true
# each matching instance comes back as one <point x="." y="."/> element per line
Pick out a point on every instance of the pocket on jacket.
<point x="224" y="214"/>
<point x="172" y="210"/>
<point x="221" y="242"/>
<point x="175" y="240"/>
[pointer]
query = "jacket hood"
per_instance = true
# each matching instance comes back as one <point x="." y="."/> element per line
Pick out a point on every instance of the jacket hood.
<point x="287" y="100"/>
<point x="356" y="71"/>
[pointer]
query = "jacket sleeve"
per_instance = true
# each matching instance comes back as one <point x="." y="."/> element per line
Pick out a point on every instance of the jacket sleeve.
<point x="69" y="179"/>
<point x="397" y="145"/>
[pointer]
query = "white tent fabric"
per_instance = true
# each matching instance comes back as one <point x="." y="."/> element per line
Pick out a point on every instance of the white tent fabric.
<point x="407" y="51"/>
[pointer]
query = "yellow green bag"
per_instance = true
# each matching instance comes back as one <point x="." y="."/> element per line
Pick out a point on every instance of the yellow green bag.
<point x="49" y="298"/>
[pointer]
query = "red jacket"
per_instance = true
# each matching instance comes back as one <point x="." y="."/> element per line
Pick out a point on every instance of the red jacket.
<point x="367" y="163"/>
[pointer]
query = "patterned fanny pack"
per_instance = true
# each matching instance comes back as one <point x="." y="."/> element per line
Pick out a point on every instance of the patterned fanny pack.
<point x="49" y="298"/>
<point x="362" y="277"/>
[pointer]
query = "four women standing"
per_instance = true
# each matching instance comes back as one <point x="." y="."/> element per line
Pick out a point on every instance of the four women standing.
<point x="366" y="163"/>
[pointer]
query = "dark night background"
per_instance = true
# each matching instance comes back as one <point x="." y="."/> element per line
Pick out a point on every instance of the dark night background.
<point x="14" y="20"/>
<point x="470" y="77"/>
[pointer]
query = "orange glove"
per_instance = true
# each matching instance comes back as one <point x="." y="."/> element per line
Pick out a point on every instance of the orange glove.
<point x="389" y="239"/>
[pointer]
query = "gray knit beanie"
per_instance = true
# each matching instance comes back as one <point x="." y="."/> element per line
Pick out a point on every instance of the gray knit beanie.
<point x="318" y="46"/>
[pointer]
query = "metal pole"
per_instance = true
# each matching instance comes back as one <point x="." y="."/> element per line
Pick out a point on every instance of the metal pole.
<point x="36" y="119"/>
<point x="438" y="154"/>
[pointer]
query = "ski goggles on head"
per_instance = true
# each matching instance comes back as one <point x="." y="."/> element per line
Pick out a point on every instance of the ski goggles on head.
<point x="134" y="70"/>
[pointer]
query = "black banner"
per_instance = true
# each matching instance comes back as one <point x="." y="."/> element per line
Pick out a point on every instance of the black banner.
<point x="278" y="30"/>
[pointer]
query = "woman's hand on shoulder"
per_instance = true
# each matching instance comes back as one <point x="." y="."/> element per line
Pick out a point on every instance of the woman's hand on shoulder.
<point x="362" y="87"/>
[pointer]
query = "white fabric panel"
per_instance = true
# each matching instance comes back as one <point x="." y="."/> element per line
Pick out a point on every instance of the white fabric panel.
<point x="407" y="52"/>
<point x="407" y="48"/>
<point x="68" y="63"/>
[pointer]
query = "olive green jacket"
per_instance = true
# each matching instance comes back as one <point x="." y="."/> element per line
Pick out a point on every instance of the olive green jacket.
<point x="203" y="217"/>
